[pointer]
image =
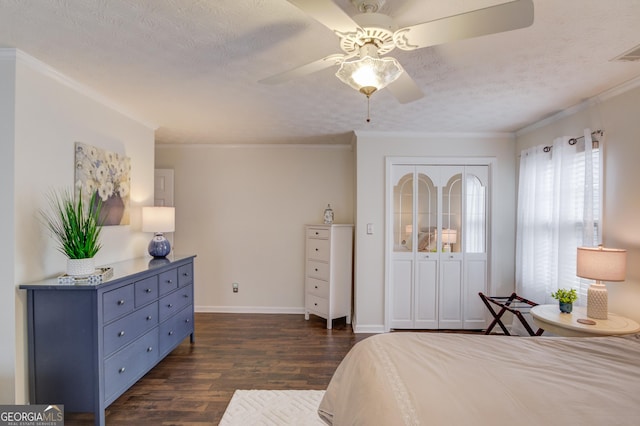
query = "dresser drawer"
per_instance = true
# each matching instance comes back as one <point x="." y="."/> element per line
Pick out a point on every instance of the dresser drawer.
<point x="318" y="270"/>
<point x="125" y="330"/>
<point x="317" y="304"/>
<point x="172" y="303"/>
<point x="175" y="329"/>
<point x="168" y="281"/>
<point x="146" y="290"/>
<point x="319" y="233"/>
<point x="130" y="363"/>
<point x="318" y="249"/>
<point x="117" y="302"/>
<point x="318" y="287"/>
<point x="185" y="274"/>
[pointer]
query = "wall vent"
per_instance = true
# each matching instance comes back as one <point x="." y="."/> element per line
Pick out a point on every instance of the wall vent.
<point x="631" y="55"/>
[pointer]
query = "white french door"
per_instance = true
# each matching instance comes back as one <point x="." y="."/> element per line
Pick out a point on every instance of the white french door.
<point x="437" y="249"/>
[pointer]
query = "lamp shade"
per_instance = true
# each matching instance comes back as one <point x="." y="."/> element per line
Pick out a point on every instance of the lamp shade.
<point x="158" y="219"/>
<point x="601" y="264"/>
<point x="449" y="236"/>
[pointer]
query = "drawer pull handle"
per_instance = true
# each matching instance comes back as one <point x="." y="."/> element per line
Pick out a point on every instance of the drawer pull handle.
<point x="185" y="295"/>
<point x="186" y="274"/>
<point x="187" y="320"/>
<point x="171" y="333"/>
<point x="149" y="349"/>
<point x="121" y="370"/>
<point x="170" y="281"/>
<point x="149" y="318"/>
<point x="316" y="249"/>
<point x="316" y="287"/>
<point x="148" y="290"/>
<point x="120" y="302"/>
<point x="121" y="334"/>
<point x="315" y="304"/>
<point x="170" y="305"/>
<point x="316" y="269"/>
<point x="317" y="233"/>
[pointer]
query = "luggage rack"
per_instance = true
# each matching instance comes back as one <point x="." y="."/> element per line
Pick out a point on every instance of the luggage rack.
<point x="514" y="304"/>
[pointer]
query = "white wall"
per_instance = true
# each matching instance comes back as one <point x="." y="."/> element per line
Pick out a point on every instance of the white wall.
<point x="51" y="114"/>
<point x="616" y="112"/>
<point x="242" y="211"/>
<point x="371" y="151"/>
<point x="7" y="218"/>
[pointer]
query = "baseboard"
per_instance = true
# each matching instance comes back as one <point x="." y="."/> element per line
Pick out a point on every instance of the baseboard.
<point x="369" y="328"/>
<point x="249" y="310"/>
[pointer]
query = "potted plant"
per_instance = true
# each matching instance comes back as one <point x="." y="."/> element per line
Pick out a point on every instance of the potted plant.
<point x="565" y="297"/>
<point x="76" y="228"/>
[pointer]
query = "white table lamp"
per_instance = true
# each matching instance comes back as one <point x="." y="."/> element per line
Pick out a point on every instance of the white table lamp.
<point x="158" y="220"/>
<point x="449" y="236"/>
<point x="600" y="264"/>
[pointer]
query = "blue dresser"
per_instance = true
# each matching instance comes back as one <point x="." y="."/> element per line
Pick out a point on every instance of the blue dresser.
<point x="88" y="343"/>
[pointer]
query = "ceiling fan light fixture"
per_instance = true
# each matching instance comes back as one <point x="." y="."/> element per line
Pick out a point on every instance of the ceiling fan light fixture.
<point x="368" y="74"/>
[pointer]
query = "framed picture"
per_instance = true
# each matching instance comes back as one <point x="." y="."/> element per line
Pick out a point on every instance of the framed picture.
<point x="107" y="174"/>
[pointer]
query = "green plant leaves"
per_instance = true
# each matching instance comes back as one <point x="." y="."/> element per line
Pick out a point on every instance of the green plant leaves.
<point x="75" y="226"/>
<point x="565" y="295"/>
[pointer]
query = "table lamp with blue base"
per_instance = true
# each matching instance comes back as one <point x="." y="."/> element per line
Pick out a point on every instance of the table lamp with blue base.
<point x="158" y="220"/>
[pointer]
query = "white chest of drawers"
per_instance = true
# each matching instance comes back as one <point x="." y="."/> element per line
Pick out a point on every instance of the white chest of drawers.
<point x="88" y="343"/>
<point x="328" y="271"/>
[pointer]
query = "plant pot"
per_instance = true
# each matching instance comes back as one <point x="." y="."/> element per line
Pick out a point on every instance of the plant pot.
<point x="81" y="267"/>
<point x="566" y="307"/>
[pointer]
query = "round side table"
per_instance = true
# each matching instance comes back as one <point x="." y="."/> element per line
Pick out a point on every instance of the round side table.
<point x="549" y="318"/>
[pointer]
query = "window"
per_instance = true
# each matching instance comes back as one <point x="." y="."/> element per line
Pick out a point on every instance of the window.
<point x="559" y="209"/>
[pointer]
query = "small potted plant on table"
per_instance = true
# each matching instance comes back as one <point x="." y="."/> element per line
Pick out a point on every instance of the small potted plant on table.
<point x="565" y="297"/>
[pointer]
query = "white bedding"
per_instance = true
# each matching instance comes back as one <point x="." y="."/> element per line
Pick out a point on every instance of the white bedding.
<point x="455" y="379"/>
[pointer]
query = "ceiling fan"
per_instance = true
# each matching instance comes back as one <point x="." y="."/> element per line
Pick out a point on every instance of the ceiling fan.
<point x="367" y="36"/>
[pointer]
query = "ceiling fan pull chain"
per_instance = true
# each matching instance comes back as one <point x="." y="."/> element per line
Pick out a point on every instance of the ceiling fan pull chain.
<point x="368" y="110"/>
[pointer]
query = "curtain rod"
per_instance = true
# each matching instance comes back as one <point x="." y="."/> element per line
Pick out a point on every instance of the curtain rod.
<point x="574" y="141"/>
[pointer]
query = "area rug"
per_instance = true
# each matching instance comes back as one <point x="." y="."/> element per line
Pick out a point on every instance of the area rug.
<point x="273" y="408"/>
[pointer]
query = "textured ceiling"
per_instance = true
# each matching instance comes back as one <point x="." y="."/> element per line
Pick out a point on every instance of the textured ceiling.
<point x="192" y="66"/>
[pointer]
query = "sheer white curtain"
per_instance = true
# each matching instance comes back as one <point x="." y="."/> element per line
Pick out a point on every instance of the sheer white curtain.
<point x="475" y="217"/>
<point x="558" y="211"/>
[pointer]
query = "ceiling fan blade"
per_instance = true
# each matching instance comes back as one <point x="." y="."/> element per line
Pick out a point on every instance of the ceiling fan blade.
<point x="306" y="69"/>
<point x="405" y="89"/>
<point x="330" y="15"/>
<point x="490" y="20"/>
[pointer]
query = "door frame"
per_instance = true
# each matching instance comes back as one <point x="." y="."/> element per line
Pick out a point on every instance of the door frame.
<point x="391" y="161"/>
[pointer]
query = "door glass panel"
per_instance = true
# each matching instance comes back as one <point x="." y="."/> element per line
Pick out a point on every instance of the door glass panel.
<point x="427" y="219"/>
<point x="403" y="214"/>
<point x="452" y="214"/>
<point x="475" y="216"/>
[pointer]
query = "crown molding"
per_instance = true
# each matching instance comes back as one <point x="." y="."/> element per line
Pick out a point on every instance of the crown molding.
<point x="434" y="135"/>
<point x="48" y="71"/>
<point x="255" y="146"/>
<point x="567" y="112"/>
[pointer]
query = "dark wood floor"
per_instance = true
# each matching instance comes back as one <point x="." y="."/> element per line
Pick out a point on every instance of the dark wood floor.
<point x="194" y="384"/>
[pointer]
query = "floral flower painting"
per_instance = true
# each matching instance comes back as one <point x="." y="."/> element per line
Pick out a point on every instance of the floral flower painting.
<point x="107" y="174"/>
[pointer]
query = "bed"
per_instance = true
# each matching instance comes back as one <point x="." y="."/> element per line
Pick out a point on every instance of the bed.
<point x="459" y="379"/>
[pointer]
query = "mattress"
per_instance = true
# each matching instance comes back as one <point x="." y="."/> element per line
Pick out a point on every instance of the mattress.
<point x="456" y="379"/>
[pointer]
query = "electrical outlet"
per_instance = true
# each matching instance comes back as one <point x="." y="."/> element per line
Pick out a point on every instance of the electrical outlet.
<point x="235" y="287"/>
